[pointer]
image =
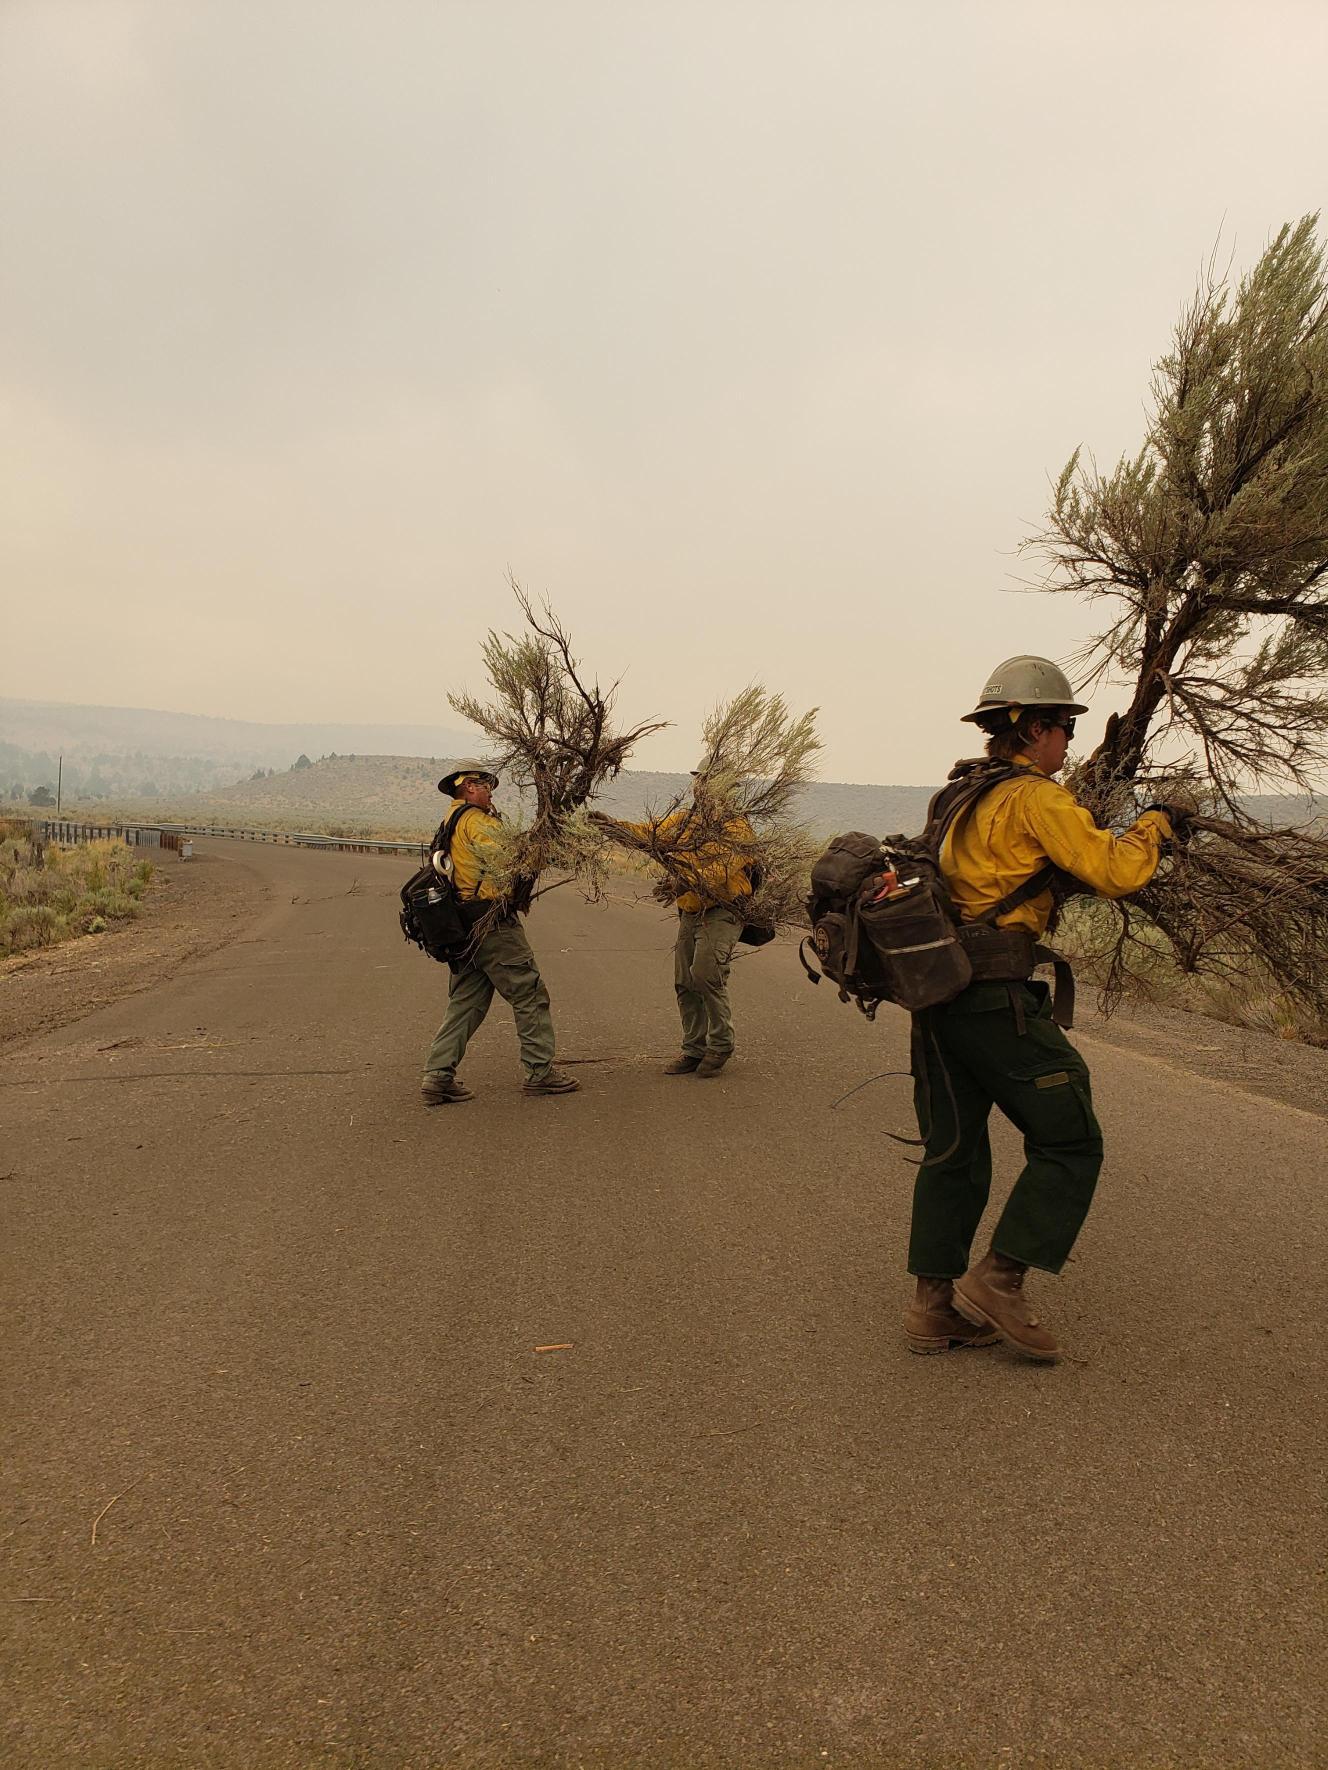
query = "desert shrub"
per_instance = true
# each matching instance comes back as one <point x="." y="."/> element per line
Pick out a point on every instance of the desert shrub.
<point x="32" y="925"/>
<point x="1244" y="993"/>
<point x="79" y="890"/>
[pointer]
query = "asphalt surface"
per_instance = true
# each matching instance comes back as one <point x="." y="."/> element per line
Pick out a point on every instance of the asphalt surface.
<point x="274" y="1343"/>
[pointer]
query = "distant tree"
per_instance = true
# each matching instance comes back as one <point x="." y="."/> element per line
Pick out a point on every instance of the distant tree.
<point x="302" y="761"/>
<point x="16" y="792"/>
<point x="1209" y="548"/>
<point x="41" y="796"/>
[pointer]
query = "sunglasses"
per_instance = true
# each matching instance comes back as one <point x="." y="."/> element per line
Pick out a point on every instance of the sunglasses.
<point x="1065" y="725"/>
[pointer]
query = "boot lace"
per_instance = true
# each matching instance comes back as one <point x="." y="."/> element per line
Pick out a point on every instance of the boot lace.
<point x="1015" y="1277"/>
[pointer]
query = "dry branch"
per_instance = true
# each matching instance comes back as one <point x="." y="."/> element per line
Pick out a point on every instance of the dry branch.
<point x="757" y="759"/>
<point x="1210" y="548"/>
<point x="551" y="727"/>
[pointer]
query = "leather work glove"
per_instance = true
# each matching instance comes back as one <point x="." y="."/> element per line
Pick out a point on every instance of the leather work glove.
<point x="1178" y="816"/>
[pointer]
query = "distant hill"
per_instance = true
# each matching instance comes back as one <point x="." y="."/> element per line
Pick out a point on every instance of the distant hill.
<point x="360" y="779"/>
<point x="118" y="752"/>
<point x="398" y="796"/>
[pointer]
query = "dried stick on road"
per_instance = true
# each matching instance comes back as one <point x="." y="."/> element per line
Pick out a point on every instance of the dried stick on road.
<point x="1210" y="549"/>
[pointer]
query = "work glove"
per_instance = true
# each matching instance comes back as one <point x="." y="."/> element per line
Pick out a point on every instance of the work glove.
<point x="1179" y="817"/>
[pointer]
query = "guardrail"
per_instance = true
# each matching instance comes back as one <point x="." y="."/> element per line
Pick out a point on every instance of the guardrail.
<point x="72" y="832"/>
<point x="300" y="839"/>
<point x="170" y="836"/>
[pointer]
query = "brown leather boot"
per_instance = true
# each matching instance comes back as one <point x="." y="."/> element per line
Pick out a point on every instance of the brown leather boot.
<point x="992" y="1295"/>
<point x="441" y="1090"/>
<point x="553" y="1081"/>
<point x="712" y="1063"/>
<point x="933" y="1324"/>
<point x="682" y="1066"/>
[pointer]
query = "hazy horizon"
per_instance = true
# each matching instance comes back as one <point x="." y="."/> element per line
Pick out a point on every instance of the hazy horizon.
<point x="749" y="333"/>
<point x="336" y="732"/>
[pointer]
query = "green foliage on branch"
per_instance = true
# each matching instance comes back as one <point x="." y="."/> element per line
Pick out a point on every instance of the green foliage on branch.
<point x="1209" y="548"/>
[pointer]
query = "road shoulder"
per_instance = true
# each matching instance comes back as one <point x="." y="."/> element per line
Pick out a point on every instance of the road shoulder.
<point x="192" y="907"/>
<point x="1236" y="1057"/>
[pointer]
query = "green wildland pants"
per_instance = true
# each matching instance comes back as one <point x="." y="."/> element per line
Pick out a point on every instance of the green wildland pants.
<point x="503" y="962"/>
<point x="701" y="960"/>
<point x="969" y="1055"/>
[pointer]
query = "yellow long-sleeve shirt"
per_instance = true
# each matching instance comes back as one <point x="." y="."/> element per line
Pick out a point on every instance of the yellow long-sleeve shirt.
<point x="1017" y="827"/>
<point x="719" y="867"/>
<point x="472" y="844"/>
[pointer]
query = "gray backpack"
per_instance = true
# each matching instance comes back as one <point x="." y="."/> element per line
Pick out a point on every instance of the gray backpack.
<point x="905" y="943"/>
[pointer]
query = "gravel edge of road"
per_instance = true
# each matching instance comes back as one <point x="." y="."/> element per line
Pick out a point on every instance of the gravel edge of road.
<point x="192" y="908"/>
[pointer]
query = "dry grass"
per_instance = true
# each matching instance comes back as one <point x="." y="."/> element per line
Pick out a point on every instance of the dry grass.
<point x="52" y="894"/>
<point x="1245" y="994"/>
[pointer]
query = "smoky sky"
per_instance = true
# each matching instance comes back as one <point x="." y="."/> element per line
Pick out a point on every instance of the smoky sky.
<point x="749" y="333"/>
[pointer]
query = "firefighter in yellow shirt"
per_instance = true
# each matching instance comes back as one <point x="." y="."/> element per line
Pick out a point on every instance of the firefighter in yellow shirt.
<point x="997" y="1043"/>
<point x="501" y="962"/>
<point x="713" y="867"/>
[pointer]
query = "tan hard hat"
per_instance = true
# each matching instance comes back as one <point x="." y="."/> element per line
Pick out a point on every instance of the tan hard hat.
<point x="451" y="780"/>
<point x="1026" y="682"/>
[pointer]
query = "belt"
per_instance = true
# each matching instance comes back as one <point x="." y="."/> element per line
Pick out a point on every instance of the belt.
<point x="1011" y="955"/>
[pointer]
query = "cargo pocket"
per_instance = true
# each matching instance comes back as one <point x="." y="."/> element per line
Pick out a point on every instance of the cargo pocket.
<point x="1058" y="1107"/>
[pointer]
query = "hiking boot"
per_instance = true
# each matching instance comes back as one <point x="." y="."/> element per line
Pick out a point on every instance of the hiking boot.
<point x="441" y="1090"/>
<point x="553" y="1081"/>
<point x="712" y="1063"/>
<point x="991" y="1294"/>
<point x="682" y="1066"/>
<point x="933" y="1324"/>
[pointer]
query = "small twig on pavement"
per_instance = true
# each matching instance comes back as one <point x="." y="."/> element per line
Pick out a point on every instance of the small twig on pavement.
<point x="106" y="1508"/>
<point x="178" y="1075"/>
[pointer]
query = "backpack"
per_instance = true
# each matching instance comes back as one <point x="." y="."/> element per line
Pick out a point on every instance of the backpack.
<point x="432" y="914"/>
<point x="884" y="928"/>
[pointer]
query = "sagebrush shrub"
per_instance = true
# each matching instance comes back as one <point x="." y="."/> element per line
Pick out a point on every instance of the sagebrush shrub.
<point x="78" y="890"/>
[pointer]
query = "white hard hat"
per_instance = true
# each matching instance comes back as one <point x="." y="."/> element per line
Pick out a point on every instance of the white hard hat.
<point x="1025" y="682"/>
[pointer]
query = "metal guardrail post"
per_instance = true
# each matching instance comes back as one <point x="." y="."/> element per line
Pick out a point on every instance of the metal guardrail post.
<point x="168" y="836"/>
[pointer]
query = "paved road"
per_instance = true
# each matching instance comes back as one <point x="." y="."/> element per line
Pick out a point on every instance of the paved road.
<point x="283" y="1323"/>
